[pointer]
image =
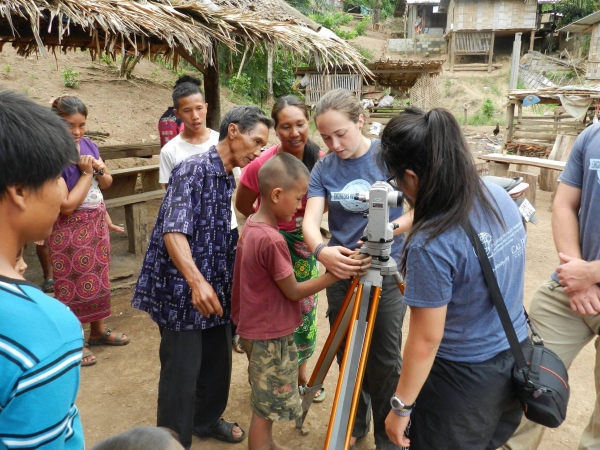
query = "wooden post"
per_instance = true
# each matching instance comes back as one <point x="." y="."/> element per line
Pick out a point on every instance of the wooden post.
<point x="243" y="60"/>
<point x="452" y="50"/>
<point x="211" y="92"/>
<point x="270" y="51"/>
<point x="560" y="152"/>
<point x="531" y="40"/>
<point x="498" y="169"/>
<point x="491" y="51"/>
<point x="514" y="67"/>
<point x="136" y="216"/>
<point x="510" y="120"/>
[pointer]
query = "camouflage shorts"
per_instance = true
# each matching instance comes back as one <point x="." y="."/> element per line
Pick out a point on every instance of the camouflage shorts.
<point x="273" y="377"/>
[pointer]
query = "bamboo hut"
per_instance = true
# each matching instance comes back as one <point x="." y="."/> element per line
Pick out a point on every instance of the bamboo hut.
<point x="172" y="29"/>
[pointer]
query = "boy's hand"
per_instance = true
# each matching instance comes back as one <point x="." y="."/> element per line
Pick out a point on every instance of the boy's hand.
<point x="365" y="262"/>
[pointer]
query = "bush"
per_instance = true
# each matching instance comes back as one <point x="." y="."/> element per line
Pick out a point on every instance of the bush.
<point x="240" y="85"/>
<point x="70" y="78"/>
<point x="361" y="27"/>
<point x="487" y="109"/>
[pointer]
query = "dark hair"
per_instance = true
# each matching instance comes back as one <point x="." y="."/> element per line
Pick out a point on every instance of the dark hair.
<point x="35" y="153"/>
<point x="281" y="171"/>
<point x="138" y="438"/>
<point x="67" y="105"/>
<point x="340" y="100"/>
<point x="246" y="118"/>
<point x="311" y="150"/>
<point x="433" y="146"/>
<point x="184" y="87"/>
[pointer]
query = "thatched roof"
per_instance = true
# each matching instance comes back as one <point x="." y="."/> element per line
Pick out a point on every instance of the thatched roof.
<point x="166" y="27"/>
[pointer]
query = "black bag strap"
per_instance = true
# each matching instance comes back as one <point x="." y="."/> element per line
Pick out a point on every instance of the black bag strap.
<point x="497" y="298"/>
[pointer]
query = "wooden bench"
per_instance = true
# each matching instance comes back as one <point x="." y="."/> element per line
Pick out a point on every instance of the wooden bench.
<point x="122" y="193"/>
<point x="500" y="163"/>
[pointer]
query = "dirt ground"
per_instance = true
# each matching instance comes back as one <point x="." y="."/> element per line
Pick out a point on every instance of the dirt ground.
<point x="119" y="392"/>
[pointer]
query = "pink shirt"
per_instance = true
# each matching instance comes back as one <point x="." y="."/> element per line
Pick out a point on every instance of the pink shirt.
<point x="258" y="307"/>
<point x="249" y="178"/>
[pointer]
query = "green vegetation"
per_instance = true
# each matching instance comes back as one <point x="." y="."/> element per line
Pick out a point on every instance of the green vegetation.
<point x="70" y="78"/>
<point x="240" y="85"/>
<point x="7" y="69"/>
<point x="483" y="116"/>
<point x="571" y="10"/>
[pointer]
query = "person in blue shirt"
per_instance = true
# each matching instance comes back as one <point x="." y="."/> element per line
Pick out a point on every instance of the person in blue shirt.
<point x="455" y="388"/>
<point x="40" y="338"/>
<point x="186" y="278"/>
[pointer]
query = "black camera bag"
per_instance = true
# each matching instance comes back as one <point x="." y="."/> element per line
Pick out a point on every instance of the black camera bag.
<point x="539" y="375"/>
<point x="542" y="384"/>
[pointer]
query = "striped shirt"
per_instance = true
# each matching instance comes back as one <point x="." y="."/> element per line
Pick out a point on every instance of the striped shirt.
<point x="40" y="354"/>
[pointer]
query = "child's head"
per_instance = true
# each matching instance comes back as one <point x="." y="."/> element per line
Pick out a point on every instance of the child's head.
<point x="283" y="182"/>
<point x="35" y="146"/>
<point x="189" y="103"/>
<point x="140" y="438"/>
<point x="20" y="264"/>
<point x="74" y="113"/>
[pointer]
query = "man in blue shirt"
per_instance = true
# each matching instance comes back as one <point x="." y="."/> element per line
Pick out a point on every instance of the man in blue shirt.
<point x="186" y="277"/>
<point x="40" y="338"/>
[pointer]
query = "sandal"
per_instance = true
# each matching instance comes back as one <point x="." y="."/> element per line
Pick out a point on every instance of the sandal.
<point x="48" y="286"/>
<point x="222" y="430"/>
<point x="104" y="340"/>
<point x="87" y="354"/>
<point x="318" y="398"/>
<point x="236" y="343"/>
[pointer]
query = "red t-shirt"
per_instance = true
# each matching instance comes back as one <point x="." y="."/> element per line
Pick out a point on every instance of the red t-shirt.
<point x="249" y="178"/>
<point x="258" y="307"/>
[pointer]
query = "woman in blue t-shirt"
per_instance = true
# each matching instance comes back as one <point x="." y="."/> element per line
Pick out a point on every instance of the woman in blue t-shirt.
<point x="455" y="388"/>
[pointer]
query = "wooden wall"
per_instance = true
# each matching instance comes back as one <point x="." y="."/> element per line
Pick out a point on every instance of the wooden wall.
<point x="593" y="69"/>
<point x="491" y="15"/>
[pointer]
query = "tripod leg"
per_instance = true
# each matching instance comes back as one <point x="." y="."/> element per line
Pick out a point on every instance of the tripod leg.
<point x="330" y="349"/>
<point x="352" y="369"/>
<point x="363" y="362"/>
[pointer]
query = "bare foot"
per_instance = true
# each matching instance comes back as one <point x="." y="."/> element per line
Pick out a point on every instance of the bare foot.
<point x="236" y="432"/>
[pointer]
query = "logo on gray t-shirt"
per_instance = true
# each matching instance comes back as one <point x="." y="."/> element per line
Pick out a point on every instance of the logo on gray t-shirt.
<point x="346" y="197"/>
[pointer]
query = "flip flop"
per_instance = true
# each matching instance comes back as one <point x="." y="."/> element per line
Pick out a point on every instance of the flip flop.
<point x="86" y="354"/>
<point x="48" y="286"/>
<point x="222" y="430"/>
<point x="104" y="340"/>
<point x="319" y="398"/>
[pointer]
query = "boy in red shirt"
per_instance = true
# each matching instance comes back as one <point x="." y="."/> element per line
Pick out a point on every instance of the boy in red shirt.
<point x="265" y="299"/>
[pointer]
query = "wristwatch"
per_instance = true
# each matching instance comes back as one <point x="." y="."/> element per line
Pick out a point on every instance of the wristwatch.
<point x="399" y="407"/>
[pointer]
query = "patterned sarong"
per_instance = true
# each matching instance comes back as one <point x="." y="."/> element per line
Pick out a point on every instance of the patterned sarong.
<point x="305" y="268"/>
<point x="80" y="253"/>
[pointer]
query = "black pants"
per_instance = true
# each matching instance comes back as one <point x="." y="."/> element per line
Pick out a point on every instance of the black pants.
<point x="195" y="375"/>
<point x="466" y="406"/>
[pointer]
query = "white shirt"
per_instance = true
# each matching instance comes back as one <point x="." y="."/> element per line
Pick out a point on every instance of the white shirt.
<point x="176" y="150"/>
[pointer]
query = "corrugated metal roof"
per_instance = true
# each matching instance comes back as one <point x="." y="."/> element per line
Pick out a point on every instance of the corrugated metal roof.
<point x="423" y="2"/>
<point x="582" y="25"/>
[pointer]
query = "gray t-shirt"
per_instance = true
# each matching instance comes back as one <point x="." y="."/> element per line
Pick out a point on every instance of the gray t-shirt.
<point x="583" y="172"/>
<point x="338" y="180"/>
<point x="446" y="271"/>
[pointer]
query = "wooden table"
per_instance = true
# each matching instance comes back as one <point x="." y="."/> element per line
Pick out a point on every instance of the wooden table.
<point x="122" y="192"/>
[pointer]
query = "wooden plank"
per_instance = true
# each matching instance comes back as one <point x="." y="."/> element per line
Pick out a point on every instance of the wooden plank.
<point x="538" y="136"/>
<point x="134" y="170"/>
<point x="525" y="160"/>
<point x="135" y="198"/>
<point x="129" y="150"/>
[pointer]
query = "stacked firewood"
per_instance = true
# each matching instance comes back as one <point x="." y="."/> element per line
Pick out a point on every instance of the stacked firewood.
<point x="528" y="149"/>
